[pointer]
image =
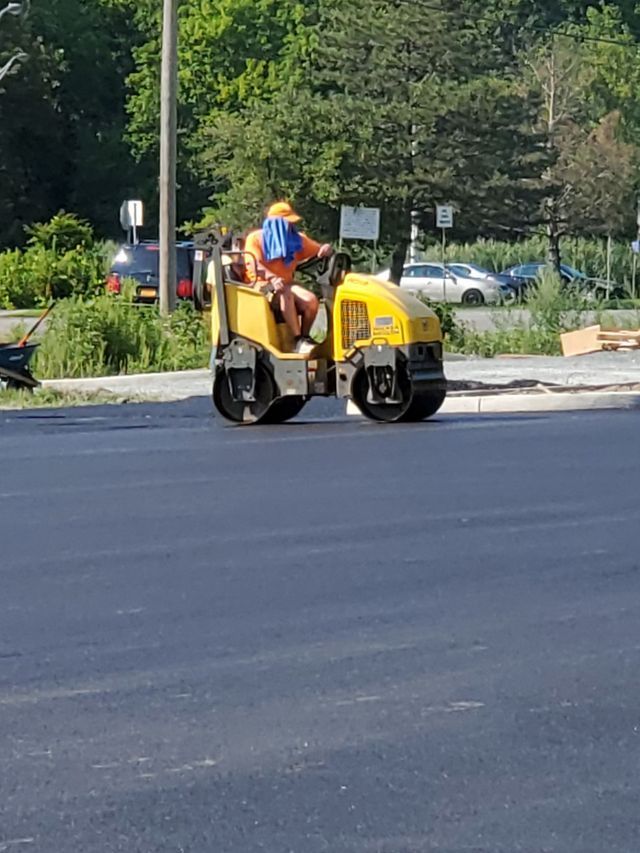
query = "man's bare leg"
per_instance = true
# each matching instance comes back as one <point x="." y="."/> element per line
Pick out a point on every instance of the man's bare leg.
<point x="290" y="311"/>
<point x="306" y="305"/>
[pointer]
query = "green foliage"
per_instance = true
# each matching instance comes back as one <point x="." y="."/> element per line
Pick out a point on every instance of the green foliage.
<point x="63" y="233"/>
<point x="107" y="335"/>
<point x="47" y="398"/>
<point x="553" y="309"/>
<point x="587" y="255"/>
<point x="445" y="312"/>
<point x="328" y="101"/>
<point x="398" y="106"/>
<point x="17" y="289"/>
<point x="62" y="115"/>
<point x="35" y="276"/>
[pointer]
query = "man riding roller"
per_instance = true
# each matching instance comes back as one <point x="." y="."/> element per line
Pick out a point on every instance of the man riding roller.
<point x="272" y="257"/>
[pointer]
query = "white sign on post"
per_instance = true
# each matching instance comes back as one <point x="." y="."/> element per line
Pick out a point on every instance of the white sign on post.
<point x="359" y="223"/>
<point x="444" y="216"/>
<point x="132" y="217"/>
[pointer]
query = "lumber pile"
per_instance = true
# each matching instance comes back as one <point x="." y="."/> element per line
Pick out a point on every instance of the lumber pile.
<point x="597" y="339"/>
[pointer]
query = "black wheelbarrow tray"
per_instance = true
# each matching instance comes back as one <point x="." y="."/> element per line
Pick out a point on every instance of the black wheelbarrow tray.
<point x="14" y="365"/>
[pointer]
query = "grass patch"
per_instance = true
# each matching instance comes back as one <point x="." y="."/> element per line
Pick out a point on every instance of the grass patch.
<point x="48" y="398"/>
<point x="108" y="336"/>
<point x="553" y="309"/>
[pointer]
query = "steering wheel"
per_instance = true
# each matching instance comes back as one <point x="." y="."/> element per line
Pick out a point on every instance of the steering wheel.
<point x="330" y="270"/>
<point x="315" y="266"/>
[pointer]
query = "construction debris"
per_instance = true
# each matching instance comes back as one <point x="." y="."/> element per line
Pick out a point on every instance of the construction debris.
<point x="597" y="339"/>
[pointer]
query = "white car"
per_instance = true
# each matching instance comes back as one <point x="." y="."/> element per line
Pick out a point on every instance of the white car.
<point x="455" y="283"/>
<point x="458" y="283"/>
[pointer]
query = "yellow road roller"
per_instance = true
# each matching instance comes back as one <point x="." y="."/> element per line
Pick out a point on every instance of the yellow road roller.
<point x="382" y="348"/>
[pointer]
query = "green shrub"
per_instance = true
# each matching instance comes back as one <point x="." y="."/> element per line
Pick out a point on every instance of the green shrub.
<point x="33" y="277"/>
<point x="63" y="233"/>
<point x="61" y="260"/>
<point x="17" y="289"/>
<point x="553" y="309"/>
<point x="445" y="312"/>
<point x="106" y="336"/>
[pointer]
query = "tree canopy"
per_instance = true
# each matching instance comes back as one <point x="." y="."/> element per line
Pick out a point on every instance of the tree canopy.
<point x="398" y="104"/>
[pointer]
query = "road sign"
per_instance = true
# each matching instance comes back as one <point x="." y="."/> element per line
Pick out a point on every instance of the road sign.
<point x="359" y="223"/>
<point x="635" y="247"/>
<point x="444" y="216"/>
<point x="132" y="218"/>
<point x="131" y="215"/>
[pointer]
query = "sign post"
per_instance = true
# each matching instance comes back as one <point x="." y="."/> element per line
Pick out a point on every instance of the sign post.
<point x="444" y="220"/>
<point x="361" y="223"/>
<point x="132" y="218"/>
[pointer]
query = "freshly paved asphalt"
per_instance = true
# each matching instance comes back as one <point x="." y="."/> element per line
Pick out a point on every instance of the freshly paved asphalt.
<point x="328" y="636"/>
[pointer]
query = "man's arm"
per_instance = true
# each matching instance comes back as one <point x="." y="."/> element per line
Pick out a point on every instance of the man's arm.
<point x="313" y="249"/>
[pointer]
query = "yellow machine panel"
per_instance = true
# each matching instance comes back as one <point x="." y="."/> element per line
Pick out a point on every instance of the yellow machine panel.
<point x="368" y="310"/>
<point x="250" y="315"/>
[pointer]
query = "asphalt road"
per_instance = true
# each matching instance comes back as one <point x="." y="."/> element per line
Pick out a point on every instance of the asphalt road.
<point x="328" y="636"/>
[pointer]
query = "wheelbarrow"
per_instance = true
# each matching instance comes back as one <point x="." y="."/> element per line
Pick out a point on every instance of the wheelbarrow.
<point x="15" y="358"/>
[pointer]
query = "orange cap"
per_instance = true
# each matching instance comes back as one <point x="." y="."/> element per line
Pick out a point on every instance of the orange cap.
<point x="283" y="209"/>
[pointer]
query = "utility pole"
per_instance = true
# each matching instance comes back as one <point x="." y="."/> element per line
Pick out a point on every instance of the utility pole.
<point x="168" y="156"/>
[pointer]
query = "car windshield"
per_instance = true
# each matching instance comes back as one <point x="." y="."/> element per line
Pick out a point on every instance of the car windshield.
<point x="572" y="272"/>
<point x="144" y="259"/>
<point x="132" y="260"/>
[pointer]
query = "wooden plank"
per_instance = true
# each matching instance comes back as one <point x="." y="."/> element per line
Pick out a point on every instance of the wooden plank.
<point x="582" y="341"/>
<point x="619" y="335"/>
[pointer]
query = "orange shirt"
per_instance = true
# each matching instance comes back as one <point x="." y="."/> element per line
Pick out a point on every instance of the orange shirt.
<point x="254" y="250"/>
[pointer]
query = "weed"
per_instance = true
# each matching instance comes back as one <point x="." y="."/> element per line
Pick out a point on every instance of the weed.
<point x="107" y="336"/>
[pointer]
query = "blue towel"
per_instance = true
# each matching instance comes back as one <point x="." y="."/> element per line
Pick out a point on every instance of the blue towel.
<point x="280" y="240"/>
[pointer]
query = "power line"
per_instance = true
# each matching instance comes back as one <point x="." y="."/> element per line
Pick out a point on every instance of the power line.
<point x="479" y="18"/>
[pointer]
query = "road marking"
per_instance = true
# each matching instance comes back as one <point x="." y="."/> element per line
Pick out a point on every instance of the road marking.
<point x="465" y="706"/>
<point x="15" y="842"/>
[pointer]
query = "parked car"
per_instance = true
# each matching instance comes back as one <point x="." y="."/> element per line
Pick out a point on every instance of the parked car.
<point x="442" y="285"/>
<point x="523" y="276"/>
<point x="473" y="272"/>
<point x="141" y="262"/>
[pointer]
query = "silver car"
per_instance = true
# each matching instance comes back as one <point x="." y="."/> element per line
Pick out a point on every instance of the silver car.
<point x="458" y="283"/>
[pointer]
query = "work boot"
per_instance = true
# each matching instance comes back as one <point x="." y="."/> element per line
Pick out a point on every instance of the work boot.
<point x="305" y="345"/>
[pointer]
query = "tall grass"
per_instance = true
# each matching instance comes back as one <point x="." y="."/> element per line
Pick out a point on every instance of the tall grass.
<point x="553" y="309"/>
<point x="106" y="336"/>
<point x="587" y="255"/>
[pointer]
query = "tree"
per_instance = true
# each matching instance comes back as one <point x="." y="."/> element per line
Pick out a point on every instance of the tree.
<point x="400" y="107"/>
<point x="589" y="184"/>
<point x="62" y="125"/>
<point x="598" y="173"/>
<point x="230" y="57"/>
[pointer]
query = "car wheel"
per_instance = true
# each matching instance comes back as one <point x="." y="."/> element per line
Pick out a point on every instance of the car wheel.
<point x="472" y="297"/>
